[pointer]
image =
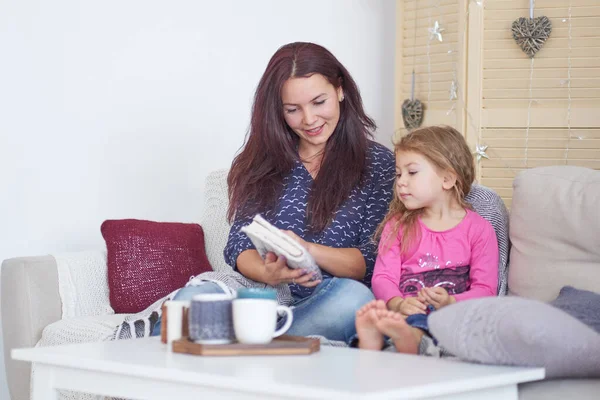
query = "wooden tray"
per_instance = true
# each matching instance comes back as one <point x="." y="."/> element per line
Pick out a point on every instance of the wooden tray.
<point x="282" y="345"/>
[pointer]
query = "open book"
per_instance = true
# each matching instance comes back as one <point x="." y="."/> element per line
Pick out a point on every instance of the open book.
<point x="266" y="237"/>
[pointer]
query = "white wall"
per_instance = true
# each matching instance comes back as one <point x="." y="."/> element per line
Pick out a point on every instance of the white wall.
<point x="119" y="109"/>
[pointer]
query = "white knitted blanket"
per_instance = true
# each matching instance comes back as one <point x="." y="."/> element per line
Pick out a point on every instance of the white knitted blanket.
<point x="83" y="284"/>
<point x="214" y="219"/>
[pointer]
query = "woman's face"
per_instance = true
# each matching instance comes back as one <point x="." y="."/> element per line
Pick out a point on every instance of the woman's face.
<point x="311" y="107"/>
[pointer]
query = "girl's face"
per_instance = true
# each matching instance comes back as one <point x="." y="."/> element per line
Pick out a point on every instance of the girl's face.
<point x="419" y="184"/>
<point x="311" y="107"/>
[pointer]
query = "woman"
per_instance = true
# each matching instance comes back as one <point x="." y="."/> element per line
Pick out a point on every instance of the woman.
<point x="309" y="168"/>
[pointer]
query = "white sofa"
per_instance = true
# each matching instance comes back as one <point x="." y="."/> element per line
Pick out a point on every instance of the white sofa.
<point x="555" y="223"/>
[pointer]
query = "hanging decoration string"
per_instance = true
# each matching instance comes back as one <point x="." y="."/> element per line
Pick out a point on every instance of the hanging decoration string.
<point x="454" y="87"/>
<point x="529" y="110"/>
<point x="569" y="88"/>
<point x="531" y="6"/>
<point x="412" y="87"/>
<point x="414" y="60"/>
<point x="470" y="121"/>
<point x="435" y="33"/>
<point x="412" y="109"/>
<point x="428" y="55"/>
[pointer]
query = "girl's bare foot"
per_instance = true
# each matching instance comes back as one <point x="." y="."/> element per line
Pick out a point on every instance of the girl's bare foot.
<point x="368" y="336"/>
<point x="406" y="338"/>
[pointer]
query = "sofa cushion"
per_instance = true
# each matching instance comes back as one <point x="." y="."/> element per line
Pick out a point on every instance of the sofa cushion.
<point x="554" y="230"/>
<point x="148" y="260"/>
<point x="580" y="304"/>
<point x="517" y="331"/>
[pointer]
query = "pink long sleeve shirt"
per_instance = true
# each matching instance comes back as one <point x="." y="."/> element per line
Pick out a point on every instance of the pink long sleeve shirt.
<point x="463" y="260"/>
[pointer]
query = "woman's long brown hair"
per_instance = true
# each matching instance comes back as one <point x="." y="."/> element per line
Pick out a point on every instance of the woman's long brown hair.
<point x="448" y="151"/>
<point x="256" y="175"/>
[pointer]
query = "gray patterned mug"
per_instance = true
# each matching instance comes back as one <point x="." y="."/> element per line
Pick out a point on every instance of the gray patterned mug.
<point x="210" y="319"/>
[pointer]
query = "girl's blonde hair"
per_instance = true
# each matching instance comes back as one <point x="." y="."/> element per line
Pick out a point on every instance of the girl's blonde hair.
<point x="447" y="150"/>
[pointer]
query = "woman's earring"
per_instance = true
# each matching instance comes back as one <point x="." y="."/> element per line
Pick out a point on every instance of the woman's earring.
<point x="342" y="98"/>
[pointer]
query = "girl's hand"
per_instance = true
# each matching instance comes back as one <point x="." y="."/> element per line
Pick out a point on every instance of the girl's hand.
<point x="410" y="306"/>
<point x="438" y="297"/>
<point x="278" y="272"/>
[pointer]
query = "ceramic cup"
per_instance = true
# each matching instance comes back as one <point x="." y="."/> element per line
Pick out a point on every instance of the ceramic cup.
<point x="255" y="316"/>
<point x="210" y="319"/>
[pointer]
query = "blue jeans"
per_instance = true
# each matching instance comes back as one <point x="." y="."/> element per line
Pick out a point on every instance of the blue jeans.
<point x="329" y="311"/>
<point x="418" y="321"/>
<point x="421" y="321"/>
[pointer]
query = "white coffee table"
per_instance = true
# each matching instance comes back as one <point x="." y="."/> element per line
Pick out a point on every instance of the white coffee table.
<point x="145" y="369"/>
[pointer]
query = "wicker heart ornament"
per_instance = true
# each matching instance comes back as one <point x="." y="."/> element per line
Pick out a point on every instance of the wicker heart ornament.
<point x="531" y="33"/>
<point x="412" y="113"/>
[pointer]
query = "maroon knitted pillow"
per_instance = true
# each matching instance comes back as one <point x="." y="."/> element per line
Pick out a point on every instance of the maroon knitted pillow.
<point x="148" y="260"/>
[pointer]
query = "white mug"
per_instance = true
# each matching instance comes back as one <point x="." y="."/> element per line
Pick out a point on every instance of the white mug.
<point x="175" y="319"/>
<point x="254" y="320"/>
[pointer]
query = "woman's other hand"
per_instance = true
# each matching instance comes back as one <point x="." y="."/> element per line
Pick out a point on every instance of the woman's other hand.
<point x="277" y="272"/>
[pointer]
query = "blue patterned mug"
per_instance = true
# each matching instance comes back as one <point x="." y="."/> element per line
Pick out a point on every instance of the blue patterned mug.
<point x="210" y="319"/>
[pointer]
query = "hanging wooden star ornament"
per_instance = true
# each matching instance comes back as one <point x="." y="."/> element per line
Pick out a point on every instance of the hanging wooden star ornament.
<point x="531" y="33"/>
<point x="436" y="31"/>
<point x="412" y="109"/>
<point x="480" y="152"/>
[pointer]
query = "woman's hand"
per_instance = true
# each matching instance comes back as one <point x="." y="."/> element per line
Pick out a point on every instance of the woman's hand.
<point x="438" y="297"/>
<point x="277" y="271"/>
<point x="304" y="243"/>
<point x="340" y="262"/>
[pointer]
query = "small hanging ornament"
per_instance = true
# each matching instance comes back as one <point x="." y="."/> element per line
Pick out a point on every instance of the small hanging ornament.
<point x="436" y="31"/>
<point x="480" y="152"/>
<point x="531" y="33"/>
<point x="453" y="90"/>
<point x="412" y="109"/>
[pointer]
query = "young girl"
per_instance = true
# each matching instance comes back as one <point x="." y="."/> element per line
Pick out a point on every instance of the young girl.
<point x="434" y="250"/>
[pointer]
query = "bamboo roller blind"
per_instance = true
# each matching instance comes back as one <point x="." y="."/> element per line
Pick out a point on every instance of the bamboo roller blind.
<point x="499" y="92"/>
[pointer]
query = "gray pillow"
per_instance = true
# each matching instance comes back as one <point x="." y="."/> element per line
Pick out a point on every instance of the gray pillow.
<point x="580" y="304"/>
<point x="518" y="331"/>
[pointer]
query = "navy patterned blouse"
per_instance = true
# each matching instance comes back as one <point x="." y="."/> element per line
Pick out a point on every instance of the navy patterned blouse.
<point x="353" y="225"/>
